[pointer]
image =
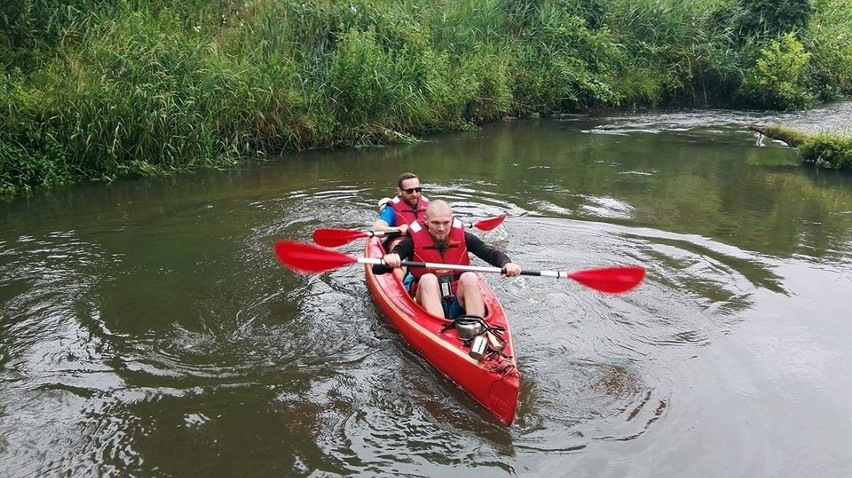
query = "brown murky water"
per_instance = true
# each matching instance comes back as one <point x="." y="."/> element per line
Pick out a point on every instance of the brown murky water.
<point x="146" y="328"/>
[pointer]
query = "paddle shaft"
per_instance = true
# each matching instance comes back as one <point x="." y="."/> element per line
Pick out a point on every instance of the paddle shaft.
<point x="459" y="267"/>
<point x="331" y="237"/>
<point x="388" y="232"/>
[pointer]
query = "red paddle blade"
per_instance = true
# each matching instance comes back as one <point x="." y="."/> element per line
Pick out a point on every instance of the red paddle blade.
<point x="336" y="237"/>
<point x="610" y="279"/>
<point x="309" y="258"/>
<point x="490" y="223"/>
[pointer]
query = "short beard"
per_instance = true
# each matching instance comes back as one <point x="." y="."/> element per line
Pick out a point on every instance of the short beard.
<point x="441" y="245"/>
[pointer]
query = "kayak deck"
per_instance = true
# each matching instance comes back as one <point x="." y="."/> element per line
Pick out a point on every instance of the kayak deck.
<point x="493" y="380"/>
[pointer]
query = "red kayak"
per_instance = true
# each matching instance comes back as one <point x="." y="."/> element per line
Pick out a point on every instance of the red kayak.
<point x="478" y="357"/>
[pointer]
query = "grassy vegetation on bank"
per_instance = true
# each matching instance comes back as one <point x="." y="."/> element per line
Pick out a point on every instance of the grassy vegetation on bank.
<point x="830" y="151"/>
<point x="823" y="150"/>
<point x="94" y="90"/>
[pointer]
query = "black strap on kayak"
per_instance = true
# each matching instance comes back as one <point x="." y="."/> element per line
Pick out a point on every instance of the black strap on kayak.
<point x="495" y="331"/>
<point x="466" y="319"/>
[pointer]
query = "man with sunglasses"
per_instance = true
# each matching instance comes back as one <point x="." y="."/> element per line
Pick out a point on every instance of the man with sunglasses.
<point x="440" y="238"/>
<point x="406" y="208"/>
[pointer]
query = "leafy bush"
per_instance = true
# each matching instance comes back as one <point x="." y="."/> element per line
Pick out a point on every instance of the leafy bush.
<point x="778" y="79"/>
<point x="828" y="151"/>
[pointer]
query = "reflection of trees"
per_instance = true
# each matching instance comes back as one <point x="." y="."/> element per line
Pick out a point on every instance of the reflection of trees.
<point x="754" y="198"/>
<point x="772" y="210"/>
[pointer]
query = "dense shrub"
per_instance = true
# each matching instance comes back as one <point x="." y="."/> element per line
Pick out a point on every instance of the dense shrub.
<point x="778" y="80"/>
<point x="828" y="151"/>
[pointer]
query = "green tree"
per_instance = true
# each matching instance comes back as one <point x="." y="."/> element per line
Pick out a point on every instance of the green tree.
<point x="779" y="79"/>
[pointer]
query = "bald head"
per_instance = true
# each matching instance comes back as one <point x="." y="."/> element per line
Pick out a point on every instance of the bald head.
<point x="439" y="219"/>
<point x="438" y="207"/>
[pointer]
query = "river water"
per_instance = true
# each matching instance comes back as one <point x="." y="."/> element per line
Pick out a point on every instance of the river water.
<point x="147" y="329"/>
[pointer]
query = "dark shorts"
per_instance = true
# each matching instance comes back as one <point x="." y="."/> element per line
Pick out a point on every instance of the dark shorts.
<point x="452" y="308"/>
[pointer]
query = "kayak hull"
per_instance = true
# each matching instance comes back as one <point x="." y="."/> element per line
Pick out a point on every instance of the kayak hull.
<point x="493" y="380"/>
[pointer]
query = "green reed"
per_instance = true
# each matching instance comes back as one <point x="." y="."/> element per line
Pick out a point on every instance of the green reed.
<point x="100" y="90"/>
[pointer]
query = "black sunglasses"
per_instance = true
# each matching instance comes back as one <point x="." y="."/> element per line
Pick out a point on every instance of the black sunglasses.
<point x="413" y="190"/>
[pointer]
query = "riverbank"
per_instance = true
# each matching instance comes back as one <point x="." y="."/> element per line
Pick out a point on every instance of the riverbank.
<point x="99" y="92"/>
<point x="823" y="135"/>
<point x="827" y="150"/>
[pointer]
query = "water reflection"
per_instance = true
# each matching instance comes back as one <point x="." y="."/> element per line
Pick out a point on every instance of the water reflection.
<point x="146" y="327"/>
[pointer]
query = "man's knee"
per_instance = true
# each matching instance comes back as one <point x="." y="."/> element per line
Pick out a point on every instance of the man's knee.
<point x="428" y="279"/>
<point x="468" y="279"/>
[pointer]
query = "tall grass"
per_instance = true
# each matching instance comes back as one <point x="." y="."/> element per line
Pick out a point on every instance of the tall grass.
<point x="677" y="52"/>
<point x="100" y="90"/>
<point x="829" y="42"/>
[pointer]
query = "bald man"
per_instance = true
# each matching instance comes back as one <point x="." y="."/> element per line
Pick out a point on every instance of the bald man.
<point x="440" y="238"/>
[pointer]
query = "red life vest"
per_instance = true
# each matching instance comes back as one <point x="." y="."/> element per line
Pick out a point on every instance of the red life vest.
<point x="425" y="250"/>
<point x="405" y="213"/>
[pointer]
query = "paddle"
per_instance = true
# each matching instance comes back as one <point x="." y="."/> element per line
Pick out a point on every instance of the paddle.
<point x="310" y="258"/>
<point x="338" y="237"/>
